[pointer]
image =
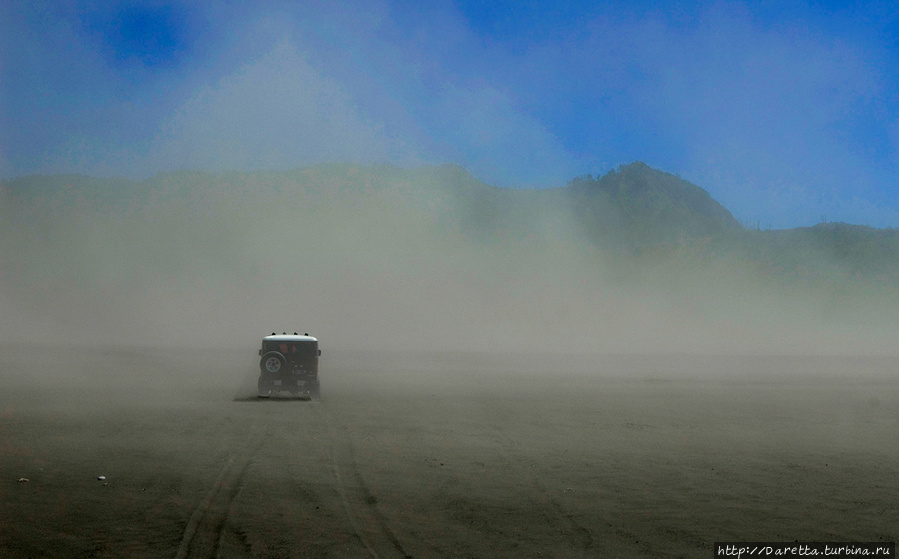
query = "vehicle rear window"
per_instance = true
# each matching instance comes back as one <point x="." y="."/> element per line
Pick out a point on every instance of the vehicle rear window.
<point x="292" y="348"/>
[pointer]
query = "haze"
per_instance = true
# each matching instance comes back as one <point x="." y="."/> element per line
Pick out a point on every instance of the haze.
<point x="511" y="367"/>
<point x="382" y="257"/>
<point x="784" y="111"/>
<point x="781" y="113"/>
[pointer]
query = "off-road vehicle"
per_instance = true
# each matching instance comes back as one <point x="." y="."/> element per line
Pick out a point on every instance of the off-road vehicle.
<point x="289" y="363"/>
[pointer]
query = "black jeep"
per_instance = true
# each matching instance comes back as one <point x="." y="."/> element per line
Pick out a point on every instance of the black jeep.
<point x="289" y="364"/>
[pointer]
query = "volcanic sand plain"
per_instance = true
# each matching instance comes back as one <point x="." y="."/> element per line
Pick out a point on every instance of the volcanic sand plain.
<point x="442" y="454"/>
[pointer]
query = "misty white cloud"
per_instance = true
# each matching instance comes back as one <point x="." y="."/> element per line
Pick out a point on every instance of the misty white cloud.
<point x="275" y="112"/>
<point x="499" y="142"/>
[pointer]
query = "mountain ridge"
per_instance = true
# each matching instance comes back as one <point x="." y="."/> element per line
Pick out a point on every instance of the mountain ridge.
<point x="628" y="182"/>
<point x="374" y="254"/>
<point x="632" y="209"/>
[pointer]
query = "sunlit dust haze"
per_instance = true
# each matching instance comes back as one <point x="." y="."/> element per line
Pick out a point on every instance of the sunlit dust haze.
<point x="783" y="111"/>
<point x="430" y="258"/>
<point x="403" y="175"/>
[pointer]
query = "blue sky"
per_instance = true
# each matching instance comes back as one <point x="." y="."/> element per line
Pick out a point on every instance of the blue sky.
<point x="786" y="112"/>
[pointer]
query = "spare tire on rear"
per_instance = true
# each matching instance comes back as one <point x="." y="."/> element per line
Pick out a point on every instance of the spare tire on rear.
<point x="272" y="363"/>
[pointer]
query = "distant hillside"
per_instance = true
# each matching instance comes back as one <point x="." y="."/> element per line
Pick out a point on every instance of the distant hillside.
<point x="632" y="210"/>
<point x="828" y="252"/>
<point x="640" y="208"/>
<point x="377" y="254"/>
<point x="640" y="205"/>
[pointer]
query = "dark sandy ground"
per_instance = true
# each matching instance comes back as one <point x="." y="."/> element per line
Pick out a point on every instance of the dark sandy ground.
<point x="442" y="455"/>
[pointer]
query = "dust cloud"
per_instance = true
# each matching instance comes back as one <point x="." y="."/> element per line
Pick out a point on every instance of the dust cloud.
<point x="381" y="257"/>
<point x="492" y="379"/>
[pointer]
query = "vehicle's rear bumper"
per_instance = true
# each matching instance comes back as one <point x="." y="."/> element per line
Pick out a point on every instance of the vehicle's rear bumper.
<point x="288" y="383"/>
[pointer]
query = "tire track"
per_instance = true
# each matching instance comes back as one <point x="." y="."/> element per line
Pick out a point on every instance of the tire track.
<point x="359" y="503"/>
<point x="203" y="533"/>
